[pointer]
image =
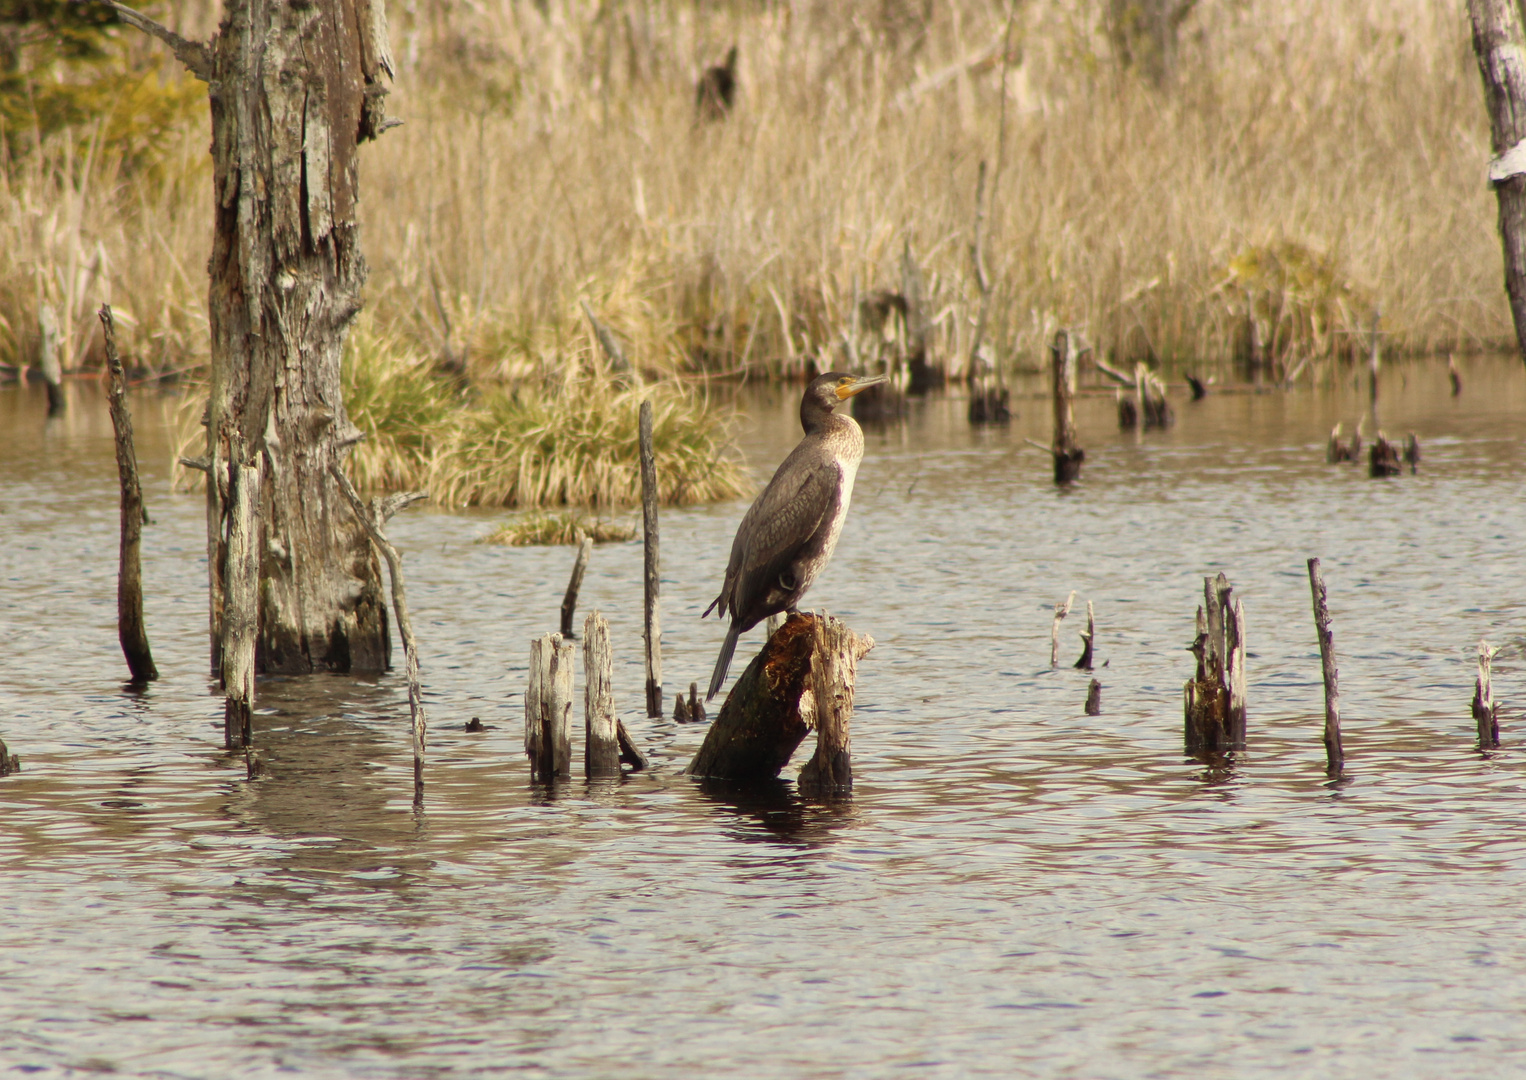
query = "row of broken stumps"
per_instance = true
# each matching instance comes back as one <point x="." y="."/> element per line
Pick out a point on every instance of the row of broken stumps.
<point x="802" y="680"/>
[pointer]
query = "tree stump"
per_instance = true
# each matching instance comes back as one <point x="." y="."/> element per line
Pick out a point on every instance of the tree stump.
<point x="772" y="707"/>
<point x="1215" y="696"/>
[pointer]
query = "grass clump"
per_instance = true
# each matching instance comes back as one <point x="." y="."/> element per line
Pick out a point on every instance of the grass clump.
<point x="563" y="527"/>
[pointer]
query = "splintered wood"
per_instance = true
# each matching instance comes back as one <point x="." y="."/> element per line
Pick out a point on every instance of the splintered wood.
<point x="1335" y="753"/>
<point x="1486" y="711"/>
<point x="773" y="706"/>
<point x="1215" y="696"/>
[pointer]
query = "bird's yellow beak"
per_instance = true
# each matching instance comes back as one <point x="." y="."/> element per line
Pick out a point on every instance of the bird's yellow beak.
<point x="846" y="389"/>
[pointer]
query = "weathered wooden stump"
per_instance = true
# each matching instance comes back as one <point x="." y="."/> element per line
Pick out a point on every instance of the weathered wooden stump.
<point x="1486" y="711"/>
<point x="548" y="710"/>
<point x="1383" y="458"/>
<point x="601" y="732"/>
<point x="1061" y="610"/>
<point x="1064" y="449"/>
<point x="834" y="669"/>
<point x="240" y="621"/>
<point x="773" y="706"/>
<point x="990" y="405"/>
<point x="1339" y="450"/>
<point x="1088" y="639"/>
<point x="9" y="762"/>
<point x="1215" y="696"/>
<point x="47" y="359"/>
<point x="1094" y="699"/>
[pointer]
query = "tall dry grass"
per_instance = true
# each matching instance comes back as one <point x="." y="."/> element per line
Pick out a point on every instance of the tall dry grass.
<point x="550" y="152"/>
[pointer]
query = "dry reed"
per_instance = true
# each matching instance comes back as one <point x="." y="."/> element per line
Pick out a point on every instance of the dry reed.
<point x="551" y="153"/>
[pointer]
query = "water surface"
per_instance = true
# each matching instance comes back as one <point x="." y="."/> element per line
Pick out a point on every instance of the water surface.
<point x="1015" y="888"/>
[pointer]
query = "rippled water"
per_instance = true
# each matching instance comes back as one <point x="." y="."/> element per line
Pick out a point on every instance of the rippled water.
<point x="1014" y="888"/>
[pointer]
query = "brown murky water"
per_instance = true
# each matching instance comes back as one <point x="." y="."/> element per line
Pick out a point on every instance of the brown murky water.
<point x="1014" y="889"/>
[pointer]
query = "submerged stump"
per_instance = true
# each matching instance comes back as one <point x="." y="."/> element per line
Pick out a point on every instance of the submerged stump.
<point x="1214" y="698"/>
<point x="772" y="707"/>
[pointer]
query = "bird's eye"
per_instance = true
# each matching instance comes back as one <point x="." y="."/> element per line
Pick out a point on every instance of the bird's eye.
<point x="844" y="381"/>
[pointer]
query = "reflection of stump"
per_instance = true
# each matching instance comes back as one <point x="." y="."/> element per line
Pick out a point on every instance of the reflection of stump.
<point x="1215" y="696"/>
<point x="772" y="707"/>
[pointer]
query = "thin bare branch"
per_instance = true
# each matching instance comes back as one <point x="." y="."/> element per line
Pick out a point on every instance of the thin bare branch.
<point x="195" y="55"/>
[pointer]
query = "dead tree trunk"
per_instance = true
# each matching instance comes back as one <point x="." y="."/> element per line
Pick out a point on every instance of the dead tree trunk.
<point x="1499" y="42"/>
<point x="772" y="707"/>
<point x="130" y="628"/>
<point x="834" y="671"/>
<point x="294" y="89"/>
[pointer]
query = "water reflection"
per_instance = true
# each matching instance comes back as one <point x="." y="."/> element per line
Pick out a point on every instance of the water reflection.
<point x="774" y="812"/>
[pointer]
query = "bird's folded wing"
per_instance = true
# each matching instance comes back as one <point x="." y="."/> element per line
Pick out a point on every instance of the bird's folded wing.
<point x="784" y="520"/>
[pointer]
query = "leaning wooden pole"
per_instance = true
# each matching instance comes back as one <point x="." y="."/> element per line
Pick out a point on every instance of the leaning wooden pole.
<point x="574" y="585"/>
<point x="241" y="574"/>
<point x="372" y="518"/>
<point x="130" y="627"/>
<point x="1335" y="753"/>
<point x="653" y="565"/>
<point x="1499" y="42"/>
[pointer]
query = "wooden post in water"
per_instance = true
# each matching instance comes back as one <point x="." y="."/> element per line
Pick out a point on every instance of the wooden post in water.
<point x="653" y="565"/>
<point x="9" y="762"/>
<point x="548" y="709"/>
<point x="574" y="584"/>
<point x="130" y="628"/>
<point x="240" y="621"/>
<point x="1088" y="639"/>
<point x="372" y="518"/>
<point x="834" y="669"/>
<point x="601" y="745"/>
<point x="1335" y="753"/>
<point x="1094" y="699"/>
<point x="535" y="687"/>
<point x="1060" y="611"/>
<point x="1067" y="455"/>
<point x="1486" y="711"/>
<point x="1215" y="697"/>
<point x="48" y="361"/>
<point x="1374" y="361"/>
<point x="771" y="707"/>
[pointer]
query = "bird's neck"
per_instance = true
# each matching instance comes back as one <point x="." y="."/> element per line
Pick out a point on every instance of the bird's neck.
<point x="825" y="422"/>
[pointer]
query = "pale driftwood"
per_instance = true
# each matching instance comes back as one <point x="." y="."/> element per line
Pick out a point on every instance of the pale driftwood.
<point x="1094" y="699"/>
<point x="47" y="358"/>
<point x="1335" y="752"/>
<point x="601" y="743"/>
<point x="240" y="623"/>
<point x="652" y="572"/>
<point x="1486" y="711"/>
<point x="131" y="631"/>
<point x="1088" y="639"/>
<point x="372" y="519"/>
<point x="1067" y="455"/>
<point x="574" y="584"/>
<point x="294" y="90"/>
<point x="1061" y="610"/>
<point x="1499" y="42"/>
<point x="1214" y="699"/>
<point x="834" y="671"/>
<point x="771" y="707"/>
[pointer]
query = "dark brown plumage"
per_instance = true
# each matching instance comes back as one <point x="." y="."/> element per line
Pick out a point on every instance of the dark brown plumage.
<point x="789" y="533"/>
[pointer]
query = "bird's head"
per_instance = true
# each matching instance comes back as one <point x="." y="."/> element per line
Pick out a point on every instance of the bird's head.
<point x="830" y="390"/>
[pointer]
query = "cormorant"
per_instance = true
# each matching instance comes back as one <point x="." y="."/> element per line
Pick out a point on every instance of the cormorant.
<point x="790" y="531"/>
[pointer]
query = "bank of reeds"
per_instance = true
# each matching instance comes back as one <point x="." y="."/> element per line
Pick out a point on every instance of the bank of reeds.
<point x="562" y="527"/>
<point x="552" y="151"/>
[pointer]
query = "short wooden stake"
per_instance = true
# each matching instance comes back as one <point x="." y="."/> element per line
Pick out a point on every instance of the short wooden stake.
<point x="549" y="729"/>
<point x="653" y="565"/>
<point x="601" y="746"/>
<point x="535" y="687"/>
<point x="1088" y="639"/>
<point x="1486" y="710"/>
<point x="1454" y="375"/>
<point x="696" y="705"/>
<point x="1060" y="611"/>
<point x="130" y="627"/>
<point x="1094" y="699"/>
<point x="575" y="583"/>
<point x="1335" y="753"/>
<point x="372" y="519"/>
<point x="241" y="607"/>
<point x="834" y="667"/>
<point x="680" y="708"/>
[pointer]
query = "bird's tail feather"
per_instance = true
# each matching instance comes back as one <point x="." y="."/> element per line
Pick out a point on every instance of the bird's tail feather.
<point x="723" y="662"/>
